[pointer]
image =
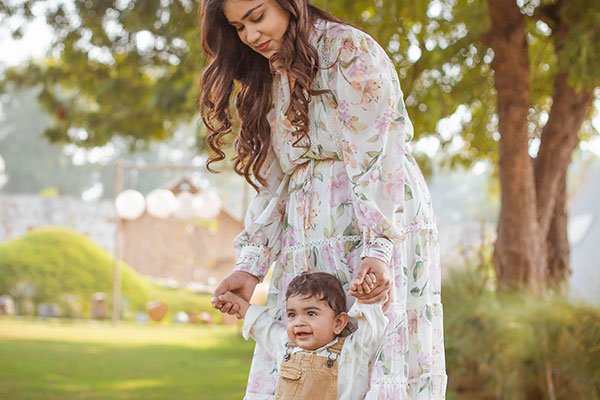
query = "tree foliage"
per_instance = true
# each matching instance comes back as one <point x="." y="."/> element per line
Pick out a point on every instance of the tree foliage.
<point x="129" y="68"/>
<point x="514" y="75"/>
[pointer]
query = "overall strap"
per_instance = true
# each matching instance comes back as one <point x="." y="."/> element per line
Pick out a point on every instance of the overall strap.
<point x="334" y="351"/>
<point x="337" y="346"/>
<point x="289" y="347"/>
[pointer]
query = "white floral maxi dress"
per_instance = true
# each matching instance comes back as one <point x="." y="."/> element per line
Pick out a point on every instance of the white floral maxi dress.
<point x="357" y="192"/>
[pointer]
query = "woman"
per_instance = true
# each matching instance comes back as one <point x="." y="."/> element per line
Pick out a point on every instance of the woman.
<point x="323" y="139"/>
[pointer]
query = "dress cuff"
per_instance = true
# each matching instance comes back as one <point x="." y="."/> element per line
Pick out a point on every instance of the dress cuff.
<point x="253" y="260"/>
<point x="378" y="247"/>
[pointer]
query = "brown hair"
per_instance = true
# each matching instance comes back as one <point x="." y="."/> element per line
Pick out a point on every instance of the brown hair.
<point x="325" y="286"/>
<point x="230" y="60"/>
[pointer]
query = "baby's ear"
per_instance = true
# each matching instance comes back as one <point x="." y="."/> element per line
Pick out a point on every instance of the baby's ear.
<point x="341" y="321"/>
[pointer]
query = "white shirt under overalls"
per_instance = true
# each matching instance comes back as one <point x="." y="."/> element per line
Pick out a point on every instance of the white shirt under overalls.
<point x="357" y="355"/>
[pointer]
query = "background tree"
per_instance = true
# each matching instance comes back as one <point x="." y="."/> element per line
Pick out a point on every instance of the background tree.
<point x="517" y="76"/>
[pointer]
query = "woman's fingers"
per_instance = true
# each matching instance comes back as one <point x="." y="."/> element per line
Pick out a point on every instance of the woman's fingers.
<point x="377" y="299"/>
<point x="375" y="293"/>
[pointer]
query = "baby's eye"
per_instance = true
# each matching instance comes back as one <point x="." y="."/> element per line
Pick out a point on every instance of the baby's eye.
<point x="312" y="314"/>
<point x="291" y="315"/>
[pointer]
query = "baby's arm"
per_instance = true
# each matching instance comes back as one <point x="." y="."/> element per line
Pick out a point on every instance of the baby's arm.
<point x="238" y="303"/>
<point x="367" y="338"/>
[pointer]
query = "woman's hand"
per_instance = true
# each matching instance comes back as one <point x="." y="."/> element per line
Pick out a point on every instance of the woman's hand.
<point x="238" y="282"/>
<point x="372" y="282"/>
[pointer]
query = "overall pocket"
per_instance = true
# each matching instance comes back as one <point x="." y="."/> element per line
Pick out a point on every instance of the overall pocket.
<point x="289" y="382"/>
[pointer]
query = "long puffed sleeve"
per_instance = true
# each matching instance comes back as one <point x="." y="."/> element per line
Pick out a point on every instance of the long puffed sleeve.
<point x="374" y="129"/>
<point x="367" y="338"/>
<point x="257" y="245"/>
<point x="267" y="332"/>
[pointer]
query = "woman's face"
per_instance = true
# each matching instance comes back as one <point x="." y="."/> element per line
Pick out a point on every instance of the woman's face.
<point x="260" y="24"/>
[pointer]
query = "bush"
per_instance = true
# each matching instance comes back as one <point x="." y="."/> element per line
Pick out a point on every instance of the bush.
<point x="517" y="345"/>
<point x="60" y="266"/>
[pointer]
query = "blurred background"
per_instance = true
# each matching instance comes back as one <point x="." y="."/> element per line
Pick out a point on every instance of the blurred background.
<point x="113" y="234"/>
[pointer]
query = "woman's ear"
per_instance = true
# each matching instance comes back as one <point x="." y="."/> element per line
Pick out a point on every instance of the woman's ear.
<point x="340" y="323"/>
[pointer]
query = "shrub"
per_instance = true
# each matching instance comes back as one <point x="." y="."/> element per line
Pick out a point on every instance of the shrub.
<point x="517" y="345"/>
<point x="61" y="266"/>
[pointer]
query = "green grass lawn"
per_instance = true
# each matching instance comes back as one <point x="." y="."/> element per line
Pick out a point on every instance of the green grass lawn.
<point x="84" y="360"/>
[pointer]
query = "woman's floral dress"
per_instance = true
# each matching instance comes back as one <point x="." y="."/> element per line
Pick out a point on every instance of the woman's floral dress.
<point x="356" y="192"/>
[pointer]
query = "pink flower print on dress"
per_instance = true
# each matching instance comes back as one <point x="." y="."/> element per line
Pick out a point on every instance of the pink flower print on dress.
<point x="357" y="74"/>
<point x="258" y="238"/>
<point x="413" y="321"/>
<point x="289" y="237"/>
<point x="370" y="217"/>
<point x="425" y="361"/>
<point x="382" y="123"/>
<point x="329" y="259"/>
<point x="370" y="92"/>
<point x="340" y="189"/>
<point x="348" y="152"/>
<point x="399" y="281"/>
<point x="393" y="187"/>
<point x="347" y="50"/>
<point x="344" y="114"/>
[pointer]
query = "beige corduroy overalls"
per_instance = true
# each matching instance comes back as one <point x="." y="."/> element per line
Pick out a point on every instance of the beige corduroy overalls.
<point x="308" y="376"/>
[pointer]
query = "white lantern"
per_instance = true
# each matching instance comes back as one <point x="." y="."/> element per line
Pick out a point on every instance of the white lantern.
<point x="161" y="203"/>
<point x="185" y="206"/>
<point x="207" y="205"/>
<point x="130" y="204"/>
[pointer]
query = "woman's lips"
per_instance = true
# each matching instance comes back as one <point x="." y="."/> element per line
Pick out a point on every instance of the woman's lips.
<point x="263" y="46"/>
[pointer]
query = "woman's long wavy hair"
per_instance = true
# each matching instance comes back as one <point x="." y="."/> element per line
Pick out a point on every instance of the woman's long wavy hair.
<point x="230" y="60"/>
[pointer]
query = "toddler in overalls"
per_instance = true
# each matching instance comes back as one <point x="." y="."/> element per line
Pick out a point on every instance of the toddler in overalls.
<point x="317" y="357"/>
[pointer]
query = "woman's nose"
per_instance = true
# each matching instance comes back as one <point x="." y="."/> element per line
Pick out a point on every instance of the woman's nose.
<point x="252" y="36"/>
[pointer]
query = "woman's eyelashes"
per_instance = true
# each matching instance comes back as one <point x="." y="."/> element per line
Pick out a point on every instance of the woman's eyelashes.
<point x="253" y="20"/>
<point x="258" y="19"/>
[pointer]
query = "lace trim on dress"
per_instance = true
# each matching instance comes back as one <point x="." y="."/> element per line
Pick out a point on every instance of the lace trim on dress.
<point x="336" y="239"/>
<point x="332" y="119"/>
<point x="317" y="243"/>
<point x="402" y="381"/>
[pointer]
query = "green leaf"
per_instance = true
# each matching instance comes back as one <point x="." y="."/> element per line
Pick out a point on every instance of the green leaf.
<point x="418" y="270"/>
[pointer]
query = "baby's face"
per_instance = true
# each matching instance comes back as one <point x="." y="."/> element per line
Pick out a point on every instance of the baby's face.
<point x="311" y="323"/>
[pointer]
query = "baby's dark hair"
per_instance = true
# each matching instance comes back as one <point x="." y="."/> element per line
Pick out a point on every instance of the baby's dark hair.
<point x="325" y="286"/>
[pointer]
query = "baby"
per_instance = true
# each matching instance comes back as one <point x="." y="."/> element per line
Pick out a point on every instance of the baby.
<point x="316" y="358"/>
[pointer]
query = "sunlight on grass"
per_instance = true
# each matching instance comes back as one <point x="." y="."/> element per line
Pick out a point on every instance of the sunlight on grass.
<point x="79" y="359"/>
<point x="125" y="333"/>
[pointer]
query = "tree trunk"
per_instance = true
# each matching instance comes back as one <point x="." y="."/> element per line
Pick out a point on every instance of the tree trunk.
<point x="517" y="255"/>
<point x="532" y="247"/>
<point x="559" y="140"/>
<point x="557" y="241"/>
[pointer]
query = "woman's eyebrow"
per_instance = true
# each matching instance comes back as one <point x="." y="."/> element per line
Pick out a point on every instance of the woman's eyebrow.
<point x="247" y="13"/>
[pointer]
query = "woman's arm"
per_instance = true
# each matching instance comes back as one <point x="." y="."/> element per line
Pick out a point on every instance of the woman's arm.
<point x="258" y="243"/>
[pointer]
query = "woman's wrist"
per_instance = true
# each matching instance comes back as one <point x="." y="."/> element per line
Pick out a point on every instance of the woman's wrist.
<point x="380" y="248"/>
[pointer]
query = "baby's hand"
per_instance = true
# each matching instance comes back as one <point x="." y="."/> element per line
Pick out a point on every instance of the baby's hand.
<point x="369" y="282"/>
<point x="240" y="306"/>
